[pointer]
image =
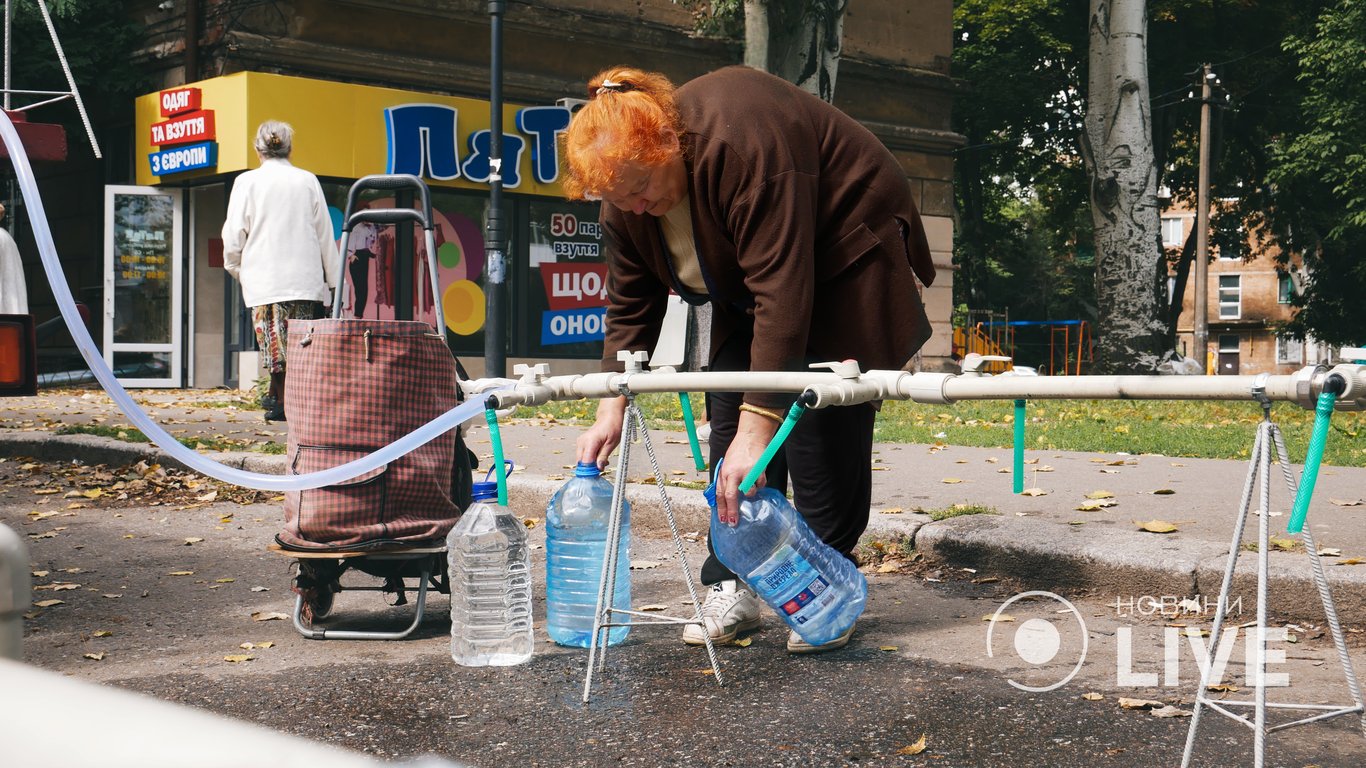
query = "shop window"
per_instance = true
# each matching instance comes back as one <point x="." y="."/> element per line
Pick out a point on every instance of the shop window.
<point x="1230" y="297"/>
<point x="564" y="291"/>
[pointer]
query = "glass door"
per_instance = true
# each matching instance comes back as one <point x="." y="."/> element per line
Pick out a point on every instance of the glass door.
<point x="143" y="319"/>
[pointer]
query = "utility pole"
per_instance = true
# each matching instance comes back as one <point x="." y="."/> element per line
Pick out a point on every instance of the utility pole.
<point x="1201" y="344"/>
<point x="495" y="268"/>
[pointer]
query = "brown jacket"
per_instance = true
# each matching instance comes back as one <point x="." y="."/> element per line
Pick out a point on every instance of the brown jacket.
<point x="804" y="226"/>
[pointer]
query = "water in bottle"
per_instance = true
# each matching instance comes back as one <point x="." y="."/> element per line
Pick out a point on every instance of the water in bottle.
<point x="576" y="543"/>
<point x="816" y="590"/>
<point x="490" y="578"/>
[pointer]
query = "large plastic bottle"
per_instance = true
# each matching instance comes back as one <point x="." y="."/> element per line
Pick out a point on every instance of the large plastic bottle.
<point x="490" y="578"/>
<point x="576" y="542"/>
<point x="817" y="591"/>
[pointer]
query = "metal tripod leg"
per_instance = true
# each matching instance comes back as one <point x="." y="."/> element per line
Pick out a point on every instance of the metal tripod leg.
<point x="604" y="616"/>
<point x="1259" y="464"/>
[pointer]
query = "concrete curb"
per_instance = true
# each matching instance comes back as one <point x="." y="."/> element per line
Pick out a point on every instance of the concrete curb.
<point x="1038" y="553"/>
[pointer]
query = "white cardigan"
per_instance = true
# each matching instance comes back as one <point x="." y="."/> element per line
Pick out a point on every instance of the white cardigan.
<point x="277" y="239"/>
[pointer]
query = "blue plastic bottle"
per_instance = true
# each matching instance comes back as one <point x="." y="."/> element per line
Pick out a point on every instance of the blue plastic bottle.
<point x="490" y="577"/>
<point x="576" y="543"/>
<point x="817" y="591"/>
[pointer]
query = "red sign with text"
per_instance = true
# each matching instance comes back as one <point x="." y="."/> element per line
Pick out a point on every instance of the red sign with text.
<point x="183" y="129"/>
<point x="572" y="286"/>
<point x="180" y="100"/>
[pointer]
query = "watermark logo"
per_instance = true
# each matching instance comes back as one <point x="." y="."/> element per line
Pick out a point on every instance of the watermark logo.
<point x="1038" y="641"/>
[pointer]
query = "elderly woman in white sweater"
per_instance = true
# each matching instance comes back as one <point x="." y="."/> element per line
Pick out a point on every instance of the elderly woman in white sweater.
<point x="278" y="243"/>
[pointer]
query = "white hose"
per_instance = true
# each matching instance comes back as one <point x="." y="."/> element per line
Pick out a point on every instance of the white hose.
<point x="202" y="464"/>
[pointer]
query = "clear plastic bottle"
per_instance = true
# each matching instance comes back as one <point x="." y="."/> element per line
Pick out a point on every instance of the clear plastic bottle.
<point x="817" y="591"/>
<point x="576" y="542"/>
<point x="490" y="577"/>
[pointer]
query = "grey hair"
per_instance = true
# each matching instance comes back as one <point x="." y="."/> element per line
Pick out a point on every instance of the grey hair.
<point x="274" y="139"/>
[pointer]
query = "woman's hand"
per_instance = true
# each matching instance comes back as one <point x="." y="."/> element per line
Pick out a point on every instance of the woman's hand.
<point x="595" y="445"/>
<point x="752" y="436"/>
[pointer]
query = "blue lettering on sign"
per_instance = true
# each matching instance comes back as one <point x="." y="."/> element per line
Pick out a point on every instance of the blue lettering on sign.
<point x="542" y="124"/>
<point x="422" y="141"/>
<point x="477" y="164"/>
<point x="572" y="325"/>
<point x="187" y="158"/>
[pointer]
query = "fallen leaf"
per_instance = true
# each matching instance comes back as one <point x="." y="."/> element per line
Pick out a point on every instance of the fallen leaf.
<point x="653" y="607"/>
<point x="998" y="617"/>
<point x="887" y="648"/>
<point x="1170" y="711"/>
<point x="1092" y="506"/>
<point x="743" y="642"/>
<point x="913" y="749"/>
<point x="247" y="646"/>
<point x="1346" y="502"/>
<point x="93" y="493"/>
<point x="238" y="658"/>
<point x="1155" y="526"/>
<point x="260" y="589"/>
<point x="210" y="496"/>
<point x="1100" y="495"/>
<point x="1033" y="492"/>
<point x="192" y="540"/>
<point x="95" y="656"/>
<point x="1284" y="545"/>
<point x="1330" y="552"/>
<point x="951" y="480"/>
<point x="1044" y="468"/>
<point x="1222" y="688"/>
<point x="1350" y="561"/>
<point x="268" y="616"/>
<point x="1127" y="703"/>
<point x="102" y="633"/>
<point x="49" y="603"/>
<point x="644" y="565"/>
<point x="531" y="522"/>
<point x="266" y="644"/>
<point x="224" y="581"/>
<point x="986" y="580"/>
<point x="1092" y="696"/>
<point x="892" y="511"/>
<point x="112" y="596"/>
<point x="39" y="574"/>
<point x="181" y="573"/>
<point x="1163" y="492"/>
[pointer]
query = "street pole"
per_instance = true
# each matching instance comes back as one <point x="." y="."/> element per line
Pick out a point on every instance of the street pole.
<point x="495" y="283"/>
<point x="1201" y="345"/>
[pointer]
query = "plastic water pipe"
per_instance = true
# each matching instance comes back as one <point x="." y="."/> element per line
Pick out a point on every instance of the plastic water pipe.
<point x="793" y="413"/>
<point x="685" y="403"/>
<point x="1019" y="445"/>
<point x="52" y="266"/>
<point x="496" y="437"/>
<point x="1313" y="457"/>
<point x="16" y="593"/>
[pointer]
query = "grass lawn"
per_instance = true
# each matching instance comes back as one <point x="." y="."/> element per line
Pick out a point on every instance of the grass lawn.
<point x="1215" y="430"/>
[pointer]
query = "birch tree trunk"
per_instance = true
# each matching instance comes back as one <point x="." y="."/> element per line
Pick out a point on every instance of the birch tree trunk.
<point x="1117" y="144"/>
<point x="797" y="40"/>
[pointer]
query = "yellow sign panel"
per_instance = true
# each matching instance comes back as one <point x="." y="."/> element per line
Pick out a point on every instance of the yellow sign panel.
<point x="347" y="131"/>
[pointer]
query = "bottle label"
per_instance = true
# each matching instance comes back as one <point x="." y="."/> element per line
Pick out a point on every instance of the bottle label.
<point x="795" y="586"/>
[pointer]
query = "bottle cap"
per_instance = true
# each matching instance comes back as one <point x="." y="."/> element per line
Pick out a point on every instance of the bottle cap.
<point x="485" y="491"/>
<point x="587" y="469"/>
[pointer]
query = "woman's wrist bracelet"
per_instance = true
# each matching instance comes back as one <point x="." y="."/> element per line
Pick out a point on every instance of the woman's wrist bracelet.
<point x="774" y="415"/>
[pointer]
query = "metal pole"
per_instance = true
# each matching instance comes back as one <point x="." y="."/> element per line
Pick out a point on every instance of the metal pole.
<point x="1201" y="345"/>
<point x="495" y="284"/>
<point x="9" y="19"/>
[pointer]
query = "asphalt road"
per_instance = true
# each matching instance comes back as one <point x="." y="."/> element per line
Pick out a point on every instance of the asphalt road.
<point x="168" y="582"/>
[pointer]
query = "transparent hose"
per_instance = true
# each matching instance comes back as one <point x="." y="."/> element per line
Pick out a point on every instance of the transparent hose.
<point x="42" y="234"/>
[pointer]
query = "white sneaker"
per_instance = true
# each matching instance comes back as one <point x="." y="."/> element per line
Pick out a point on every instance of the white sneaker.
<point x="730" y="608"/>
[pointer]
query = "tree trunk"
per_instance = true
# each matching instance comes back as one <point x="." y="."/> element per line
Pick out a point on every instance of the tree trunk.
<point x="797" y="40"/>
<point x="1118" y="147"/>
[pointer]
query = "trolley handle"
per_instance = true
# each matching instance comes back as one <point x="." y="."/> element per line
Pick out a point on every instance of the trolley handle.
<point x="393" y="182"/>
<point x="386" y="216"/>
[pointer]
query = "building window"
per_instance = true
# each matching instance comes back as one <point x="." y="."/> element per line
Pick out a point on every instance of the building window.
<point x="1230" y="297"/>
<point x="1285" y="289"/>
<point x="1228" y="343"/>
<point x="1172" y="231"/>
<point x="1289" y="350"/>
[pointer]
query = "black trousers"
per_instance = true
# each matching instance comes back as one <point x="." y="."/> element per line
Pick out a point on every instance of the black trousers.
<point x="828" y="459"/>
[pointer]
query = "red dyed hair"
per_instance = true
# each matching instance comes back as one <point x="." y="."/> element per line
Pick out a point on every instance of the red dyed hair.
<point x="631" y="116"/>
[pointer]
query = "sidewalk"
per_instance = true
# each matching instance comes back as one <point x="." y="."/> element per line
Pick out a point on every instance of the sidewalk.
<point x="1044" y="541"/>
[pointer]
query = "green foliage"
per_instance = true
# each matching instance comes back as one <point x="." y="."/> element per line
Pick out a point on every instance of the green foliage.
<point x="959" y="510"/>
<point x="1320" y="176"/>
<point x="99" y="38"/>
<point x="724" y="19"/>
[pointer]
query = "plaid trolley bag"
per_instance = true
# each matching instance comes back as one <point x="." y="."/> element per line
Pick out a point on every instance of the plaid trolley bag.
<point x="354" y="386"/>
